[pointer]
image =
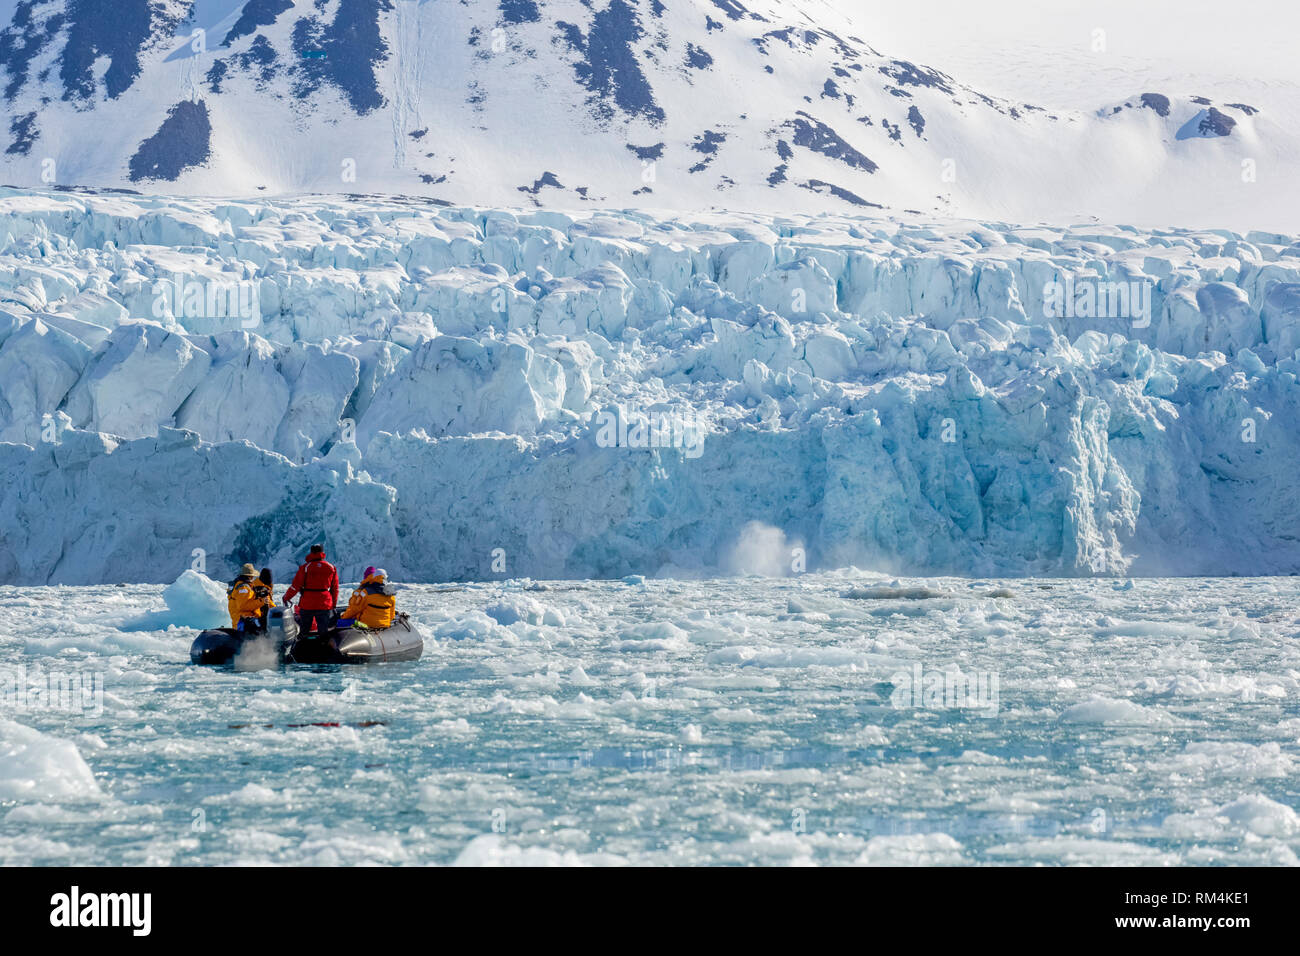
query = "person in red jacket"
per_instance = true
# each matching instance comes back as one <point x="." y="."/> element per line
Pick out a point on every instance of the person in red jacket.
<point x="318" y="581"/>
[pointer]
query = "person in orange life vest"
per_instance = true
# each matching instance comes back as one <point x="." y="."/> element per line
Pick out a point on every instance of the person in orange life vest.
<point x="247" y="599"/>
<point x="373" y="604"/>
<point x="318" y="582"/>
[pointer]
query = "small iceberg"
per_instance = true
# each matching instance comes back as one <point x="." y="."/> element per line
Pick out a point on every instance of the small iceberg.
<point x="193" y="600"/>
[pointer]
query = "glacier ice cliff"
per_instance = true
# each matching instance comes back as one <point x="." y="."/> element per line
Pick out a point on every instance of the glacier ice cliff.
<point x="424" y="388"/>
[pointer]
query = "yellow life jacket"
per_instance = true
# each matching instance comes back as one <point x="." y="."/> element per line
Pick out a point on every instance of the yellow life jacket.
<point x="246" y="598"/>
<point x="374" y="604"/>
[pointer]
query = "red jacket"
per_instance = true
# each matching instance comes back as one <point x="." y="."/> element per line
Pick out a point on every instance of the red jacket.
<point x="318" y="580"/>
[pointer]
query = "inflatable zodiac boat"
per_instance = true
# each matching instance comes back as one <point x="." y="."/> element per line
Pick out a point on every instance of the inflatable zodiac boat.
<point x="353" y="645"/>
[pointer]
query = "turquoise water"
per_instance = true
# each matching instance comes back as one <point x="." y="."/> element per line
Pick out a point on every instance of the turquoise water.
<point x="746" y="721"/>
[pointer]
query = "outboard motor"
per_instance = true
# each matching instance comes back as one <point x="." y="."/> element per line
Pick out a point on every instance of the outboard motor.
<point x="219" y="646"/>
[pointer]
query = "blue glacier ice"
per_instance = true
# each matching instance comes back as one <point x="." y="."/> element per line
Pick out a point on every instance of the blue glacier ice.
<point x="423" y="388"/>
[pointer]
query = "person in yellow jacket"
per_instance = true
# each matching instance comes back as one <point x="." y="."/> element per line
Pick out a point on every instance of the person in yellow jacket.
<point x="247" y="600"/>
<point x="373" y="604"/>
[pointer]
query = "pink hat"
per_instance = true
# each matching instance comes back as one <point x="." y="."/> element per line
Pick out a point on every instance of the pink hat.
<point x="370" y="570"/>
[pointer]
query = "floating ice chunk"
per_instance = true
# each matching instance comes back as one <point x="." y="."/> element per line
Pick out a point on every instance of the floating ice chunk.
<point x="1260" y="815"/>
<point x="779" y="657"/>
<point x="579" y="678"/>
<point x="1243" y="631"/>
<point x="1232" y="758"/>
<point x="195" y="600"/>
<point x="897" y="593"/>
<point x="460" y="727"/>
<point x="492" y="850"/>
<point x="1253" y="814"/>
<point x="780" y="846"/>
<point x="514" y="610"/>
<point x="1083" y="851"/>
<point x="736" y="715"/>
<point x="912" y="849"/>
<point x="654" y="636"/>
<point x="979" y="758"/>
<point x="254" y="795"/>
<point x="717" y="635"/>
<point x="472" y="625"/>
<point x="1106" y="710"/>
<point x="870" y="736"/>
<point x="38" y="767"/>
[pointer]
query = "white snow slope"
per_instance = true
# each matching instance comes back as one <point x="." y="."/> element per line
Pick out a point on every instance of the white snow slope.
<point x="686" y="104"/>
<point x="427" y="388"/>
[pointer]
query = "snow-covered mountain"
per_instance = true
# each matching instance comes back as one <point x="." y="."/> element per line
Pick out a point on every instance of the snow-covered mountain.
<point x="465" y="393"/>
<point x="675" y="104"/>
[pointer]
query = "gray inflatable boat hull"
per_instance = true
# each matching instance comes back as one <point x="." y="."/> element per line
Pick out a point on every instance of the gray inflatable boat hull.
<point x="354" y="645"/>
